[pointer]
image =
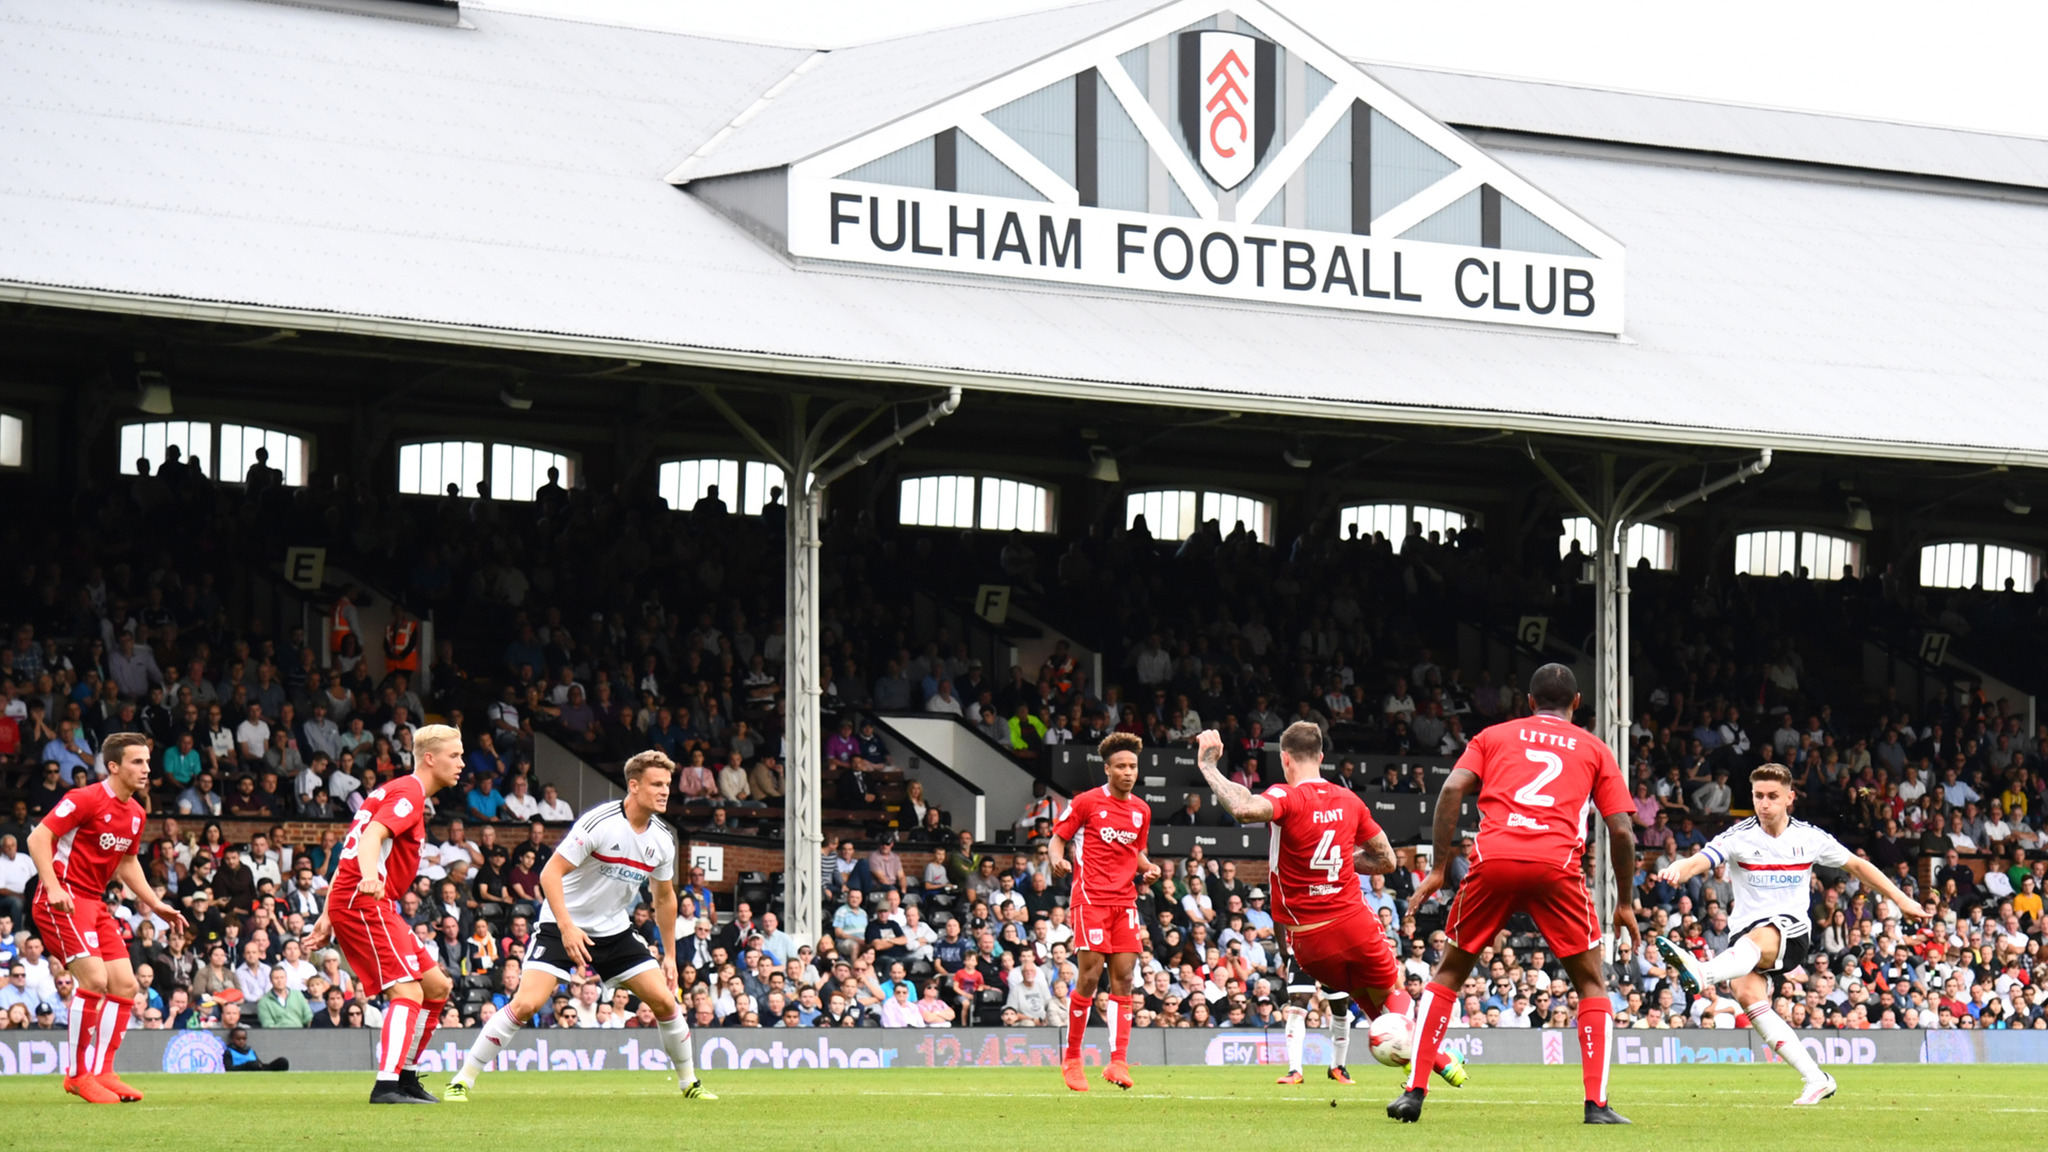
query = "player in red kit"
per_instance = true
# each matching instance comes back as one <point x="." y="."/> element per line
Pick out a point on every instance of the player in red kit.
<point x="1534" y="777"/>
<point x="1323" y="836"/>
<point x="378" y="861"/>
<point x="1108" y="828"/>
<point x="88" y="840"/>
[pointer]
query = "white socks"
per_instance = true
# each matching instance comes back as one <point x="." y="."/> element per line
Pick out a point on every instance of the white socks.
<point x="1340" y="1032"/>
<point x="1784" y="1041"/>
<point x="1297" y="1035"/>
<point x="1740" y="959"/>
<point x="675" y="1040"/>
<point x="497" y="1032"/>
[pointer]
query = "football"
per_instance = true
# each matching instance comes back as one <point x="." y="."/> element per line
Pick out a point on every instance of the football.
<point x="1392" y="1039"/>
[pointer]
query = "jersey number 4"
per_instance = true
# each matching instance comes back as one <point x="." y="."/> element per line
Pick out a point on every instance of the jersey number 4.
<point x="1326" y="860"/>
<point x="1531" y="794"/>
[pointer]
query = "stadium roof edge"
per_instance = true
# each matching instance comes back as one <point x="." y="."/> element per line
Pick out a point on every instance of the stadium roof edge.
<point x="554" y="343"/>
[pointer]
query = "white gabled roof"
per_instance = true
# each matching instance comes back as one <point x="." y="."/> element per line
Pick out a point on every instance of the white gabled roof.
<point x="855" y="90"/>
<point x="1554" y="109"/>
<point x="505" y="186"/>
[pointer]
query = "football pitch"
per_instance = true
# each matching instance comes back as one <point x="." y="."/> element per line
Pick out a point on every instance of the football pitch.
<point x="1685" y="1109"/>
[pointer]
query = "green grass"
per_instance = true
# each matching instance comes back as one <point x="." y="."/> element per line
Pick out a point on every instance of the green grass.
<point x="1697" y="1108"/>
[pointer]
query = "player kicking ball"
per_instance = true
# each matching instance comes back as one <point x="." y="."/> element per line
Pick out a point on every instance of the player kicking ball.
<point x="1108" y="829"/>
<point x="88" y="839"/>
<point x="1337" y="942"/>
<point x="1534" y="776"/>
<point x="592" y="884"/>
<point x="380" y="856"/>
<point x="1770" y="859"/>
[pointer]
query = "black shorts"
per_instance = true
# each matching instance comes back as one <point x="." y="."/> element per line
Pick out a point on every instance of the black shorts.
<point x="615" y="959"/>
<point x="1795" y="940"/>
<point x="1300" y="983"/>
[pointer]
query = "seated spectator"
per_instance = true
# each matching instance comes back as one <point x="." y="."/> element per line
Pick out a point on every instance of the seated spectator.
<point x="732" y="784"/>
<point x="841" y="746"/>
<point x="858" y="788"/>
<point x="239" y="1057"/>
<point x="553" y="808"/>
<point x="899" y="1011"/>
<point x="696" y="783"/>
<point x="483" y="800"/>
<point x="765" y="781"/>
<point x="282" y="1006"/>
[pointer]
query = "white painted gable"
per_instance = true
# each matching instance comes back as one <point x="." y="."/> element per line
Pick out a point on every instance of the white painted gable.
<point x="1201" y="149"/>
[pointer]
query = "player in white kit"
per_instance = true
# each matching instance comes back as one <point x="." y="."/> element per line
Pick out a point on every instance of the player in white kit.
<point x="1770" y="859"/>
<point x="592" y="884"/>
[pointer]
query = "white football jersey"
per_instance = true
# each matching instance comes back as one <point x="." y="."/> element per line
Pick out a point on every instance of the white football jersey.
<point x="1771" y="874"/>
<point x="611" y="863"/>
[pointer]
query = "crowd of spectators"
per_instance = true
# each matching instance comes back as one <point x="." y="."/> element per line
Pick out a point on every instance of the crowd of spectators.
<point x="613" y="624"/>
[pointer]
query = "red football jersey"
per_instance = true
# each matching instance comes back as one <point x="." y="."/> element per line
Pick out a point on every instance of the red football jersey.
<point x="1316" y="828"/>
<point x="93" y="830"/>
<point x="1534" y="777"/>
<point x="400" y="806"/>
<point x="1107" y="835"/>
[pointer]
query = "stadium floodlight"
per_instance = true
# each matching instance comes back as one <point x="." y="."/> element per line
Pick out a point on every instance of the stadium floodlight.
<point x="1858" y="519"/>
<point x="1102" y="465"/>
<point x="514" y="396"/>
<point x="2016" y="502"/>
<point x="1298" y="455"/>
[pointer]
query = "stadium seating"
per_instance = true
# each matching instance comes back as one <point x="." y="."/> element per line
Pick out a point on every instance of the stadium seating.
<point x="1220" y="625"/>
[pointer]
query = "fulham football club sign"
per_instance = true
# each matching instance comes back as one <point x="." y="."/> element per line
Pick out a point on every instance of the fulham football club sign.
<point x="1179" y="171"/>
<point x="1227" y="102"/>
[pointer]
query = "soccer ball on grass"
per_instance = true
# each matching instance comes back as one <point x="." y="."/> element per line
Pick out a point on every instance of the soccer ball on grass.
<point x="1391" y="1039"/>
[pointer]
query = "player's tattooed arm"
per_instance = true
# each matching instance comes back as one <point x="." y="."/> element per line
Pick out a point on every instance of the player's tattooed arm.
<point x="1375" y="857"/>
<point x="1236" y="799"/>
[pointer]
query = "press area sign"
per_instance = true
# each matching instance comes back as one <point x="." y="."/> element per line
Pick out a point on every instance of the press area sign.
<point x="839" y="219"/>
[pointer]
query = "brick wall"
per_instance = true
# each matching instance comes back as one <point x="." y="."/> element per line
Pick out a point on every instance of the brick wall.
<point x="766" y="857"/>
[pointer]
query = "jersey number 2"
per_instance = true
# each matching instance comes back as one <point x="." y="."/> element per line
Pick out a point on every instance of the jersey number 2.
<point x="1531" y="794"/>
<point x="1326" y="859"/>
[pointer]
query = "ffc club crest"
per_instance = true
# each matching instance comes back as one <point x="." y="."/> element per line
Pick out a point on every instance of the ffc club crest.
<point x="1226" y="102"/>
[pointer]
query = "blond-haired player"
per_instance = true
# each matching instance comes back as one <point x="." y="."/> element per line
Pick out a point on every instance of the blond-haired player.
<point x="378" y="861"/>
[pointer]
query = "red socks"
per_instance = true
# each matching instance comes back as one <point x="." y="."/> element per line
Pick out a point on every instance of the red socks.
<point x="85" y="1032"/>
<point x="1120" y="1028"/>
<point x="430" y="1019"/>
<point x="1596" y="1040"/>
<point x="1429" y="1036"/>
<point x="394" y="1042"/>
<point x="1077" y="1022"/>
<point x="114" y="1016"/>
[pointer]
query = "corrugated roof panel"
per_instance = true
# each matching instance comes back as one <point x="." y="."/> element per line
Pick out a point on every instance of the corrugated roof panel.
<point x="855" y="90"/>
<point x="253" y="154"/>
<point x="1676" y="122"/>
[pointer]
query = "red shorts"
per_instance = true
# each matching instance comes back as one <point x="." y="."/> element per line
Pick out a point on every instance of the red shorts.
<point x="87" y="930"/>
<point x="1553" y="896"/>
<point x="1347" y="955"/>
<point x="1105" y="929"/>
<point x="379" y="947"/>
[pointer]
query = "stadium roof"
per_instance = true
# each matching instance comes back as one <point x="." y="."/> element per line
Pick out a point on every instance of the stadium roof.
<point x="505" y="185"/>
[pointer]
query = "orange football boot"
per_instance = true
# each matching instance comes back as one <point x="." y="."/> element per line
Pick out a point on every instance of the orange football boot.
<point x="112" y="1083"/>
<point x="88" y="1089"/>
<point x="1076" y="1076"/>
